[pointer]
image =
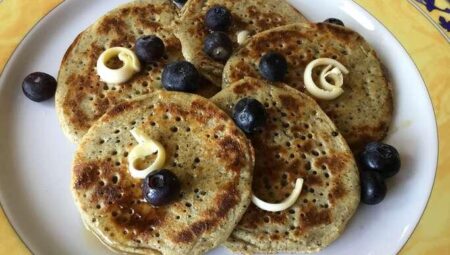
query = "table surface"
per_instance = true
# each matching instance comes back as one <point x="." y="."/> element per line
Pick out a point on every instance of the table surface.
<point x="422" y="26"/>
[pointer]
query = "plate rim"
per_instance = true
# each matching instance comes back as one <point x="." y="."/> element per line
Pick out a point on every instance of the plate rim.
<point x="5" y="69"/>
<point x="436" y="127"/>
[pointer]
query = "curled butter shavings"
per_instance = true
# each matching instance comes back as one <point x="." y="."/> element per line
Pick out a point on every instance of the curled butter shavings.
<point x="288" y="202"/>
<point x="333" y="71"/>
<point x="145" y="147"/>
<point x="242" y="36"/>
<point x="131" y="65"/>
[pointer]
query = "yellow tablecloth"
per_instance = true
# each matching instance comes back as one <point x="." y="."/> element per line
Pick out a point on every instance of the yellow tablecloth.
<point x="409" y="20"/>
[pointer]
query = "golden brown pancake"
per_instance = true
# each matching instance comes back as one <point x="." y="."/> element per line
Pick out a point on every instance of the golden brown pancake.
<point x="364" y="112"/>
<point x="210" y="156"/>
<point x="298" y="141"/>
<point x="81" y="97"/>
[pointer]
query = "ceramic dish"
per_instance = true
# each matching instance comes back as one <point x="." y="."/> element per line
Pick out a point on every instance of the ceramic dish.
<point x="36" y="157"/>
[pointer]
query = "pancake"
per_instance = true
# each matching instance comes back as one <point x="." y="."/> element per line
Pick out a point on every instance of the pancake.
<point x="298" y="141"/>
<point x="211" y="157"/>
<point x="251" y="15"/>
<point x="81" y="98"/>
<point x="364" y="112"/>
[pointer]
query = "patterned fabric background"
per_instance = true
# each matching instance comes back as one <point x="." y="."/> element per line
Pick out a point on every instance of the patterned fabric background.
<point x="437" y="11"/>
<point x="422" y="26"/>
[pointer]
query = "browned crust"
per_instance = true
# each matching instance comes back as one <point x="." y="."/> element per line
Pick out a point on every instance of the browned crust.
<point x="298" y="141"/>
<point x="224" y="203"/>
<point x="70" y="49"/>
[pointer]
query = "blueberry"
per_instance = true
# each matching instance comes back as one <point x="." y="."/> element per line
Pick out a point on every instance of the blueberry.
<point x="381" y="158"/>
<point x="179" y="3"/>
<point x="161" y="187"/>
<point x="218" y="18"/>
<point x="250" y="115"/>
<point x="39" y="86"/>
<point x="273" y="66"/>
<point x="335" y="21"/>
<point x="180" y="76"/>
<point x="218" y="46"/>
<point x="373" y="188"/>
<point x="149" y="48"/>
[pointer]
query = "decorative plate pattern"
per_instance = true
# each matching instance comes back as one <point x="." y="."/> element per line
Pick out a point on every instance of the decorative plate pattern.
<point x="437" y="12"/>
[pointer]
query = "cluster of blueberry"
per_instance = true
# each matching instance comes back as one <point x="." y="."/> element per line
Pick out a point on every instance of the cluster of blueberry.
<point x="182" y="75"/>
<point x="177" y="76"/>
<point x="217" y="44"/>
<point x="377" y="162"/>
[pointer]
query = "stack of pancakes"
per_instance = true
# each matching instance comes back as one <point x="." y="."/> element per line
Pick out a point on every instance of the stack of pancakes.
<point x="220" y="167"/>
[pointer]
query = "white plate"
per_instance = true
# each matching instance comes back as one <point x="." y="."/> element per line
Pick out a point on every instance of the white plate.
<point x="36" y="158"/>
